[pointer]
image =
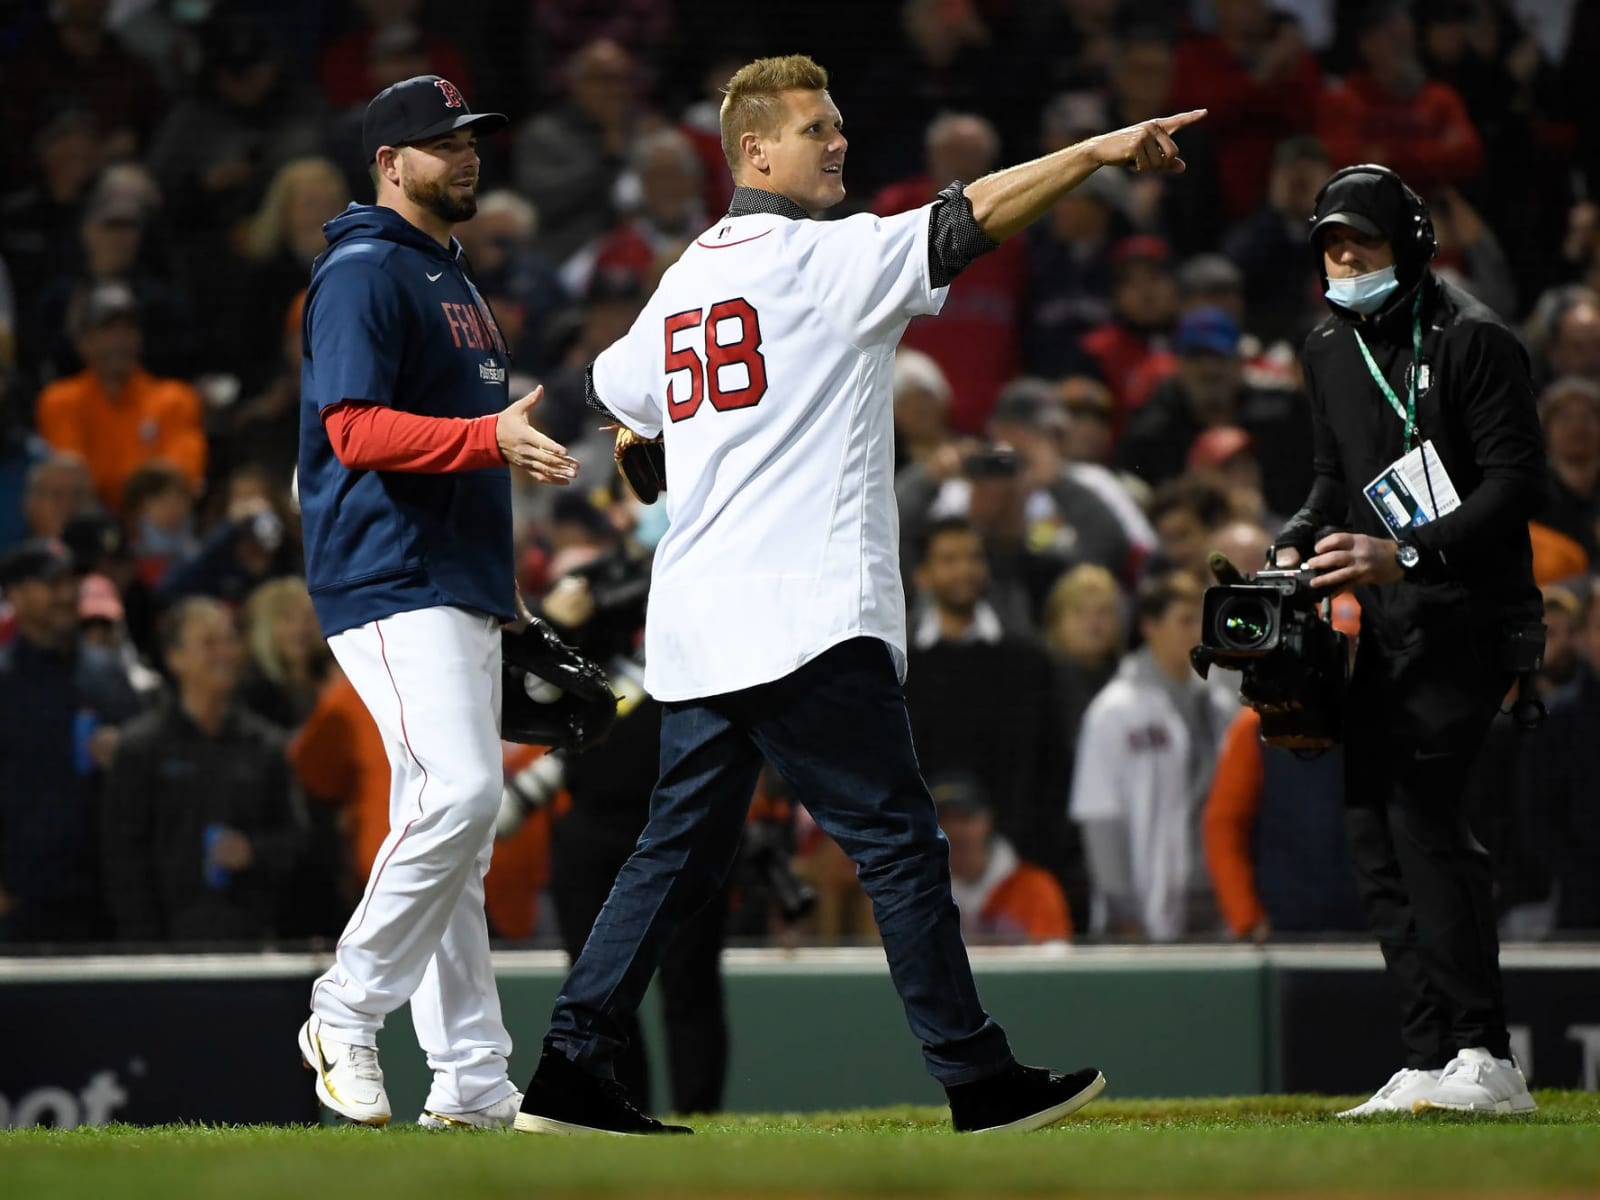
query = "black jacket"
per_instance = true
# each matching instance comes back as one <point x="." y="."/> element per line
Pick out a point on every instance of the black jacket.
<point x="47" y="797"/>
<point x="168" y="782"/>
<point x="1560" y="822"/>
<point x="1477" y="409"/>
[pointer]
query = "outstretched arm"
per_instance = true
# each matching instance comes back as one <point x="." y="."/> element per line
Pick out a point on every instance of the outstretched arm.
<point x="1010" y="200"/>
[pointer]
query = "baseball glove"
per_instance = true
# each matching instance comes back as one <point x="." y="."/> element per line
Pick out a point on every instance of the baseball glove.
<point x="643" y="463"/>
<point x="580" y="717"/>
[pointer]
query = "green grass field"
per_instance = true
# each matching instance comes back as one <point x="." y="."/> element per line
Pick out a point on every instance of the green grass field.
<point x="1266" y="1146"/>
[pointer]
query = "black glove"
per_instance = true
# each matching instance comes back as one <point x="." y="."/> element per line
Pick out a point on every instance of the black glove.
<point x="579" y="718"/>
<point x="643" y="463"/>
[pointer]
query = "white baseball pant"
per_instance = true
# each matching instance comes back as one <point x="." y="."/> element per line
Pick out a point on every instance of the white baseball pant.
<point x="431" y="680"/>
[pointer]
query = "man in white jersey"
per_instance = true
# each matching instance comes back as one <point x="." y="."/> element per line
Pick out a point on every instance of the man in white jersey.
<point x="777" y="619"/>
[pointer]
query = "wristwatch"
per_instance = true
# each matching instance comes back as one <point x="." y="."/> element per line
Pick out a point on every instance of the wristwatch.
<point x="1408" y="556"/>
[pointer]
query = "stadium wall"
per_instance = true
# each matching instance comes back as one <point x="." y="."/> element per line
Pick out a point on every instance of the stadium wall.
<point x="152" y="1040"/>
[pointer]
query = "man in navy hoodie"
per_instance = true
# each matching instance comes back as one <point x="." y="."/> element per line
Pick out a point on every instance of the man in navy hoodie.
<point x="406" y="445"/>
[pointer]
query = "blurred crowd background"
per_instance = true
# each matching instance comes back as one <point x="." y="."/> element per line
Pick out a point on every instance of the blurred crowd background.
<point x="1103" y="400"/>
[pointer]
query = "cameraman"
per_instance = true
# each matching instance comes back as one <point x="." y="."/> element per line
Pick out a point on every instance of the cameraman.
<point x="1407" y="359"/>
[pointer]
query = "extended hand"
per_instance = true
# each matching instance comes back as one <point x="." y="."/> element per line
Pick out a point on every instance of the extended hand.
<point x="1348" y="559"/>
<point x="1147" y="146"/>
<point x="525" y="447"/>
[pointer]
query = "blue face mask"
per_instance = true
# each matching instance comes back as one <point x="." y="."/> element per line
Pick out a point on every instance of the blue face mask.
<point x="1364" y="294"/>
<point x="651" y="525"/>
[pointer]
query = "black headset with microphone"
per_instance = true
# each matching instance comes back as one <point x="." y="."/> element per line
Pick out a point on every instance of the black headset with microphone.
<point x="1422" y="241"/>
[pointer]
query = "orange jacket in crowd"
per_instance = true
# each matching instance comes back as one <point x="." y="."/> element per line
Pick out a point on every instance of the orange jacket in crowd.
<point x="1013" y="901"/>
<point x="1234" y="802"/>
<point x="1556" y="557"/>
<point x="1229" y="819"/>
<point x="152" y="419"/>
<point x="338" y="756"/>
<point x="1029" y="902"/>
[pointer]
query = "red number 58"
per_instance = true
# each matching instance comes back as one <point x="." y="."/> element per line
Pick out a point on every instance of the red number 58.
<point x="706" y="376"/>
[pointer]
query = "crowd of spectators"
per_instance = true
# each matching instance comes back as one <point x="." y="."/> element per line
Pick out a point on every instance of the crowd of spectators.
<point x="1101" y="402"/>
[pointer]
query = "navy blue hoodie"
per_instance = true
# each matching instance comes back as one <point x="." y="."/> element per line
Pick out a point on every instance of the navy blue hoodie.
<point x="390" y="318"/>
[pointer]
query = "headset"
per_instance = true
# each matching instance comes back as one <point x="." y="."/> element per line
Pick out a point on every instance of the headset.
<point x="1422" y="242"/>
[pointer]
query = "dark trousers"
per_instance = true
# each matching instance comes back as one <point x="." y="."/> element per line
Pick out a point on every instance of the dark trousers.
<point x="1418" y="717"/>
<point x="585" y="861"/>
<point x="836" y="730"/>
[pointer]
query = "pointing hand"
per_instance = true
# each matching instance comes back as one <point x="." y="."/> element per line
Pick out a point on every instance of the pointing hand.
<point x="1147" y="146"/>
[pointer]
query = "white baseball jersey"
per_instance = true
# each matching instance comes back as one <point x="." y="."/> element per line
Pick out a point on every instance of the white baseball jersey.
<point x="765" y="358"/>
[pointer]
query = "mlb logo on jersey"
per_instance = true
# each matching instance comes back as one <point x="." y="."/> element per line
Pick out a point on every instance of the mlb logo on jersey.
<point x="491" y="372"/>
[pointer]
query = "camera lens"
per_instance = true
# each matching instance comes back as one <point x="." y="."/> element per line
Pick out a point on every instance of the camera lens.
<point x="1244" y="623"/>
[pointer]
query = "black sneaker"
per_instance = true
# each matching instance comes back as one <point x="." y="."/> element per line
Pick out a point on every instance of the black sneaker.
<point x="563" y="1098"/>
<point x="1020" y="1098"/>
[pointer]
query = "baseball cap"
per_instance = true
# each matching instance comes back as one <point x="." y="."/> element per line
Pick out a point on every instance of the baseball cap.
<point x="92" y="538"/>
<point x="1206" y="331"/>
<point x="1140" y="247"/>
<point x="1368" y="203"/>
<point x="417" y="109"/>
<point x="98" y="600"/>
<point x="107" y="302"/>
<point x="1032" y="403"/>
<point x="37" y="558"/>
<point x="959" y="793"/>
<point x="1217" y="446"/>
<point x="1209" y="273"/>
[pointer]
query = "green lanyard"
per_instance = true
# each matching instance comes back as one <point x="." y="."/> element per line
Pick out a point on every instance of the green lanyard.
<point x="1408" y="412"/>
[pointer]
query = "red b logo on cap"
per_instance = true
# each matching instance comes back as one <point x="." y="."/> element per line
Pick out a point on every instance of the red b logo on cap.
<point x="452" y="98"/>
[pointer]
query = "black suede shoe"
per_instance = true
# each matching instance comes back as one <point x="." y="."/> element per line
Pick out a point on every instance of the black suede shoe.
<point x="563" y="1098"/>
<point x="1019" y="1098"/>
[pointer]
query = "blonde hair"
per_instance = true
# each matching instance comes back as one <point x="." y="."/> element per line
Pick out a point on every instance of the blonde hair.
<point x="261" y="612"/>
<point x="751" y="100"/>
<point x="1085" y="582"/>
<point x="265" y="232"/>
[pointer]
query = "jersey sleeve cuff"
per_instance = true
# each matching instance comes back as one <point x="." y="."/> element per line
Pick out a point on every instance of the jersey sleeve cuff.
<point x="591" y="398"/>
<point x="955" y="239"/>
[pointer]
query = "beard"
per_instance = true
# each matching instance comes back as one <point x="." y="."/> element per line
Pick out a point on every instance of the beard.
<point x="434" y="196"/>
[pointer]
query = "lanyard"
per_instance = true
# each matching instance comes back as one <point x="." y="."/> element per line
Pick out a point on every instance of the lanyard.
<point x="1408" y="412"/>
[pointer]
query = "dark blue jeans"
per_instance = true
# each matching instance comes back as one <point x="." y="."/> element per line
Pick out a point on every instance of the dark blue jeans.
<point x="836" y="730"/>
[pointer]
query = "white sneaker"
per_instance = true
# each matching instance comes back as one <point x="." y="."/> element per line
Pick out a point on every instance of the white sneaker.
<point x="349" y="1080"/>
<point x="1476" y="1081"/>
<point x="1405" y="1089"/>
<point x="499" y="1115"/>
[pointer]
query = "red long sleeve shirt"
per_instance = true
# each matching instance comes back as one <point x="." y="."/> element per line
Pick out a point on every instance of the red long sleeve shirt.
<point x="375" y="438"/>
<point x="1428" y="138"/>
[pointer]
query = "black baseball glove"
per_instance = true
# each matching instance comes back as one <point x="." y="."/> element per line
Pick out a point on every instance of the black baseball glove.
<point x="580" y="717"/>
<point x="643" y="463"/>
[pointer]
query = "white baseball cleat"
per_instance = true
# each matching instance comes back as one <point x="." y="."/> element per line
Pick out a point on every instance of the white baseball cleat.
<point x="499" y="1115"/>
<point x="1405" y="1089"/>
<point x="349" y="1080"/>
<point x="1476" y="1081"/>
